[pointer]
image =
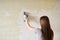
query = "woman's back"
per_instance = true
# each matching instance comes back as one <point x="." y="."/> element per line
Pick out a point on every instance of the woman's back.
<point x="39" y="34"/>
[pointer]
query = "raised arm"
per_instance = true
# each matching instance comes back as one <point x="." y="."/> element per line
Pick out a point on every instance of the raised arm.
<point x="29" y="26"/>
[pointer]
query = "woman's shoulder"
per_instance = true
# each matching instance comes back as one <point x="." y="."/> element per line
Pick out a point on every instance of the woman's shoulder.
<point x="37" y="30"/>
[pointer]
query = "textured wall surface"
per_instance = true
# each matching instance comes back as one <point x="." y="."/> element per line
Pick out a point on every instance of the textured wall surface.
<point x="12" y="26"/>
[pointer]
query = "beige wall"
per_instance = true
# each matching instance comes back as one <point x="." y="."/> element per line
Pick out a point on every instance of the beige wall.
<point x="10" y="10"/>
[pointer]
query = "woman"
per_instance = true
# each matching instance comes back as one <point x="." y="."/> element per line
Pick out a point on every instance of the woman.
<point x="45" y="33"/>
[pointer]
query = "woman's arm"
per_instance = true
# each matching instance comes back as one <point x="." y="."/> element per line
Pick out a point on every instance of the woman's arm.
<point x="29" y="26"/>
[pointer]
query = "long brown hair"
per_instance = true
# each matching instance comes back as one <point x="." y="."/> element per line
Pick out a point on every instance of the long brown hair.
<point x="47" y="32"/>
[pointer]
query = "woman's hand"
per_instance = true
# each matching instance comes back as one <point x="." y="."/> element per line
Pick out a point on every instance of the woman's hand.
<point x="25" y="16"/>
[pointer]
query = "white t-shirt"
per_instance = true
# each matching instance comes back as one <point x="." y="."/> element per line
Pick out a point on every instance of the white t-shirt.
<point x="38" y="34"/>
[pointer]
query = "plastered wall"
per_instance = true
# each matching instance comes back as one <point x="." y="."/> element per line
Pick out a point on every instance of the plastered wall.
<point x="12" y="26"/>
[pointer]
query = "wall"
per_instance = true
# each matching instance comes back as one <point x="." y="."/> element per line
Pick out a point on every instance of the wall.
<point x="12" y="26"/>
